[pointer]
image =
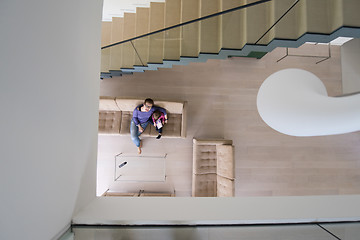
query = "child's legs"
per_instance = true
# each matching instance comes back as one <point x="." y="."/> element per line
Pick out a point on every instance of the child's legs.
<point x="159" y="130"/>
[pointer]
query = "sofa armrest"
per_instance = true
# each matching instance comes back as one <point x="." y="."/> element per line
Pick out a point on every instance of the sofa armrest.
<point x="109" y="115"/>
<point x="211" y="142"/>
<point x="184" y="121"/>
<point x="108" y="104"/>
<point x="109" y="122"/>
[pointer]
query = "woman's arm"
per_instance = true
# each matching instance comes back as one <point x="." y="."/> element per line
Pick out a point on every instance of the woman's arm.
<point x="163" y="110"/>
<point x="164" y="118"/>
<point x="135" y="116"/>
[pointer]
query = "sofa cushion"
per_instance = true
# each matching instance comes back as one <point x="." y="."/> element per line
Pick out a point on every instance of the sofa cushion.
<point x="108" y="104"/>
<point x="204" y="185"/>
<point x="173" y="127"/>
<point x="225" y="161"/>
<point x="204" y="159"/>
<point x="225" y="187"/>
<point x="125" y="122"/>
<point x="109" y="121"/>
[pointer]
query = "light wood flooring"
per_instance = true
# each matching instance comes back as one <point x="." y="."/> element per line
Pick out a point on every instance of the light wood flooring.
<point x="221" y="97"/>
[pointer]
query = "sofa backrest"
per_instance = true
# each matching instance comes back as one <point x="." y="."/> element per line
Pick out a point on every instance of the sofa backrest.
<point x="128" y="104"/>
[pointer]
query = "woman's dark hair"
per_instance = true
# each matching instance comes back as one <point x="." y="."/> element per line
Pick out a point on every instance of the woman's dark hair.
<point x="149" y="101"/>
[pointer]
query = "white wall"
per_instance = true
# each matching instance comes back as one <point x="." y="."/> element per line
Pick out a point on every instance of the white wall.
<point x="349" y="231"/>
<point x="49" y="87"/>
<point x="350" y="61"/>
<point x="244" y="210"/>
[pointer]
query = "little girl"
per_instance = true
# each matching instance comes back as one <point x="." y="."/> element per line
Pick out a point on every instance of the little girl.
<point x="158" y="119"/>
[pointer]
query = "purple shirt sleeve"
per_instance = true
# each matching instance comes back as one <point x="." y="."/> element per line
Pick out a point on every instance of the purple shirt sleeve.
<point x="135" y="116"/>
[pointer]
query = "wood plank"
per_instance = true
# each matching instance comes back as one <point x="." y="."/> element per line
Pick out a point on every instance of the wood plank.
<point x="172" y="37"/>
<point x="117" y="31"/>
<point x="142" y="26"/>
<point x="233" y="25"/>
<point x="105" y="33"/>
<point x="294" y="24"/>
<point x="350" y="13"/>
<point x="156" y="42"/>
<point x="105" y="40"/>
<point x="259" y="19"/>
<point x="128" y="52"/>
<point x="210" y="32"/>
<point x="190" y="38"/>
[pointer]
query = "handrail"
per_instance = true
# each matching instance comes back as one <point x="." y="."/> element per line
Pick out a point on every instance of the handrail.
<point x="188" y="22"/>
<point x="294" y="4"/>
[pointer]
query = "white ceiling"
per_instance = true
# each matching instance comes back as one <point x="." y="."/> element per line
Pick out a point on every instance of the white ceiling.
<point x="116" y="8"/>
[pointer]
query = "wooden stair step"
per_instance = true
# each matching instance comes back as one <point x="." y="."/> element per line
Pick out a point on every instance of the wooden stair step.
<point x="190" y="9"/>
<point x="156" y="41"/>
<point x="210" y="29"/>
<point x="117" y="28"/>
<point x="259" y="19"/>
<point x="351" y="16"/>
<point x="317" y="17"/>
<point x="142" y="44"/>
<point x="128" y="52"/>
<point x="233" y="25"/>
<point x="293" y="24"/>
<point x="105" y="33"/>
<point x="172" y="37"/>
<point x="105" y="40"/>
<point x="337" y="17"/>
<point x="105" y="60"/>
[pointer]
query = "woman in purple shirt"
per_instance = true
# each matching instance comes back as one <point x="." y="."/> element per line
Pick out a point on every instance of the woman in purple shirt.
<point x="141" y="118"/>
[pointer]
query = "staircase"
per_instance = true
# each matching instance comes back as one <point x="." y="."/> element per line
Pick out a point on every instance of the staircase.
<point x="256" y="27"/>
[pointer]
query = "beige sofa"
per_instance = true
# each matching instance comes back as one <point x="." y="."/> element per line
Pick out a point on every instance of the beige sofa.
<point x="115" y="116"/>
<point x="213" y="168"/>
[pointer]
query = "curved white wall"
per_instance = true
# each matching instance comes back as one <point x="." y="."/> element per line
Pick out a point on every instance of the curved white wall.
<point x="295" y="102"/>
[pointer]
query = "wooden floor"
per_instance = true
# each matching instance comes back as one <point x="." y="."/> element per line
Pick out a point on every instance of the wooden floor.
<point x="222" y="104"/>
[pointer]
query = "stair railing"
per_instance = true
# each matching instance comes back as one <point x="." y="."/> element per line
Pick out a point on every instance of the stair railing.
<point x="189" y="22"/>
<point x="134" y="55"/>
